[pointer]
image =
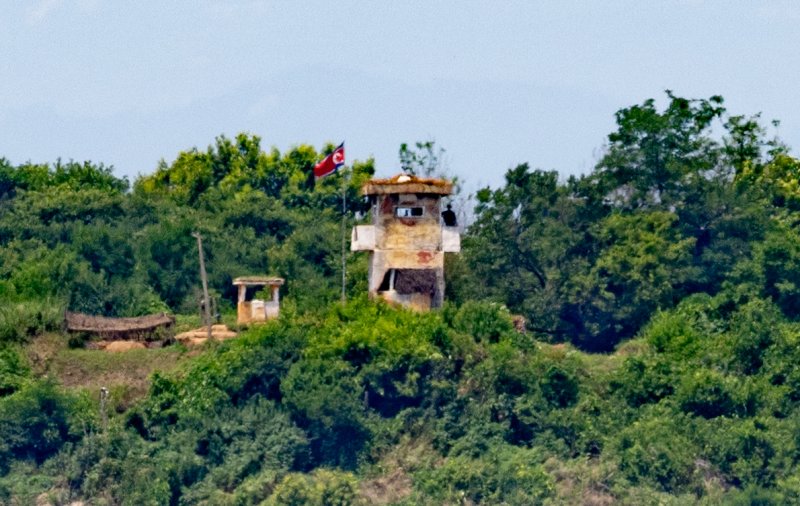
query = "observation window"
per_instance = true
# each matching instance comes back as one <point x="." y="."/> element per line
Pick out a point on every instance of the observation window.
<point x="408" y="212"/>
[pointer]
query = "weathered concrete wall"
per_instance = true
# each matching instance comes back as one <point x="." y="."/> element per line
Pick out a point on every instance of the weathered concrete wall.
<point x="414" y="236"/>
<point x="257" y="310"/>
<point x="451" y="240"/>
<point x="362" y="238"/>
<point x="412" y="242"/>
<point x="254" y="311"/>
<point x="244" y="313"/>
<point x="421" y="232"/>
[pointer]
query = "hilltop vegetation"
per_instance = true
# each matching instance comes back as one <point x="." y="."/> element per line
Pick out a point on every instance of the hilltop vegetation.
<point x="661" y="293"/>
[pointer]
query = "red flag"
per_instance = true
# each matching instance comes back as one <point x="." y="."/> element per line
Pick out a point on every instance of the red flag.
<point x="330" y="163"/>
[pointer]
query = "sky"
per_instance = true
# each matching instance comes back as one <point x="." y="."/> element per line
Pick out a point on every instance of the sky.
<point x="494" y="83"/>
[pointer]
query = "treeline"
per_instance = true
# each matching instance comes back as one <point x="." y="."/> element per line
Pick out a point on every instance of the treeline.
<point x="671" y="209"/>
<point x="73" y="235"/>
<point x="680" y="251"/>
<point x="686" y="200"/>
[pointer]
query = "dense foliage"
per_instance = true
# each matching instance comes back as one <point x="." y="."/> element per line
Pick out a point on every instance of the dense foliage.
<point x="73" y="235"/>
<point x="678" y="257"/>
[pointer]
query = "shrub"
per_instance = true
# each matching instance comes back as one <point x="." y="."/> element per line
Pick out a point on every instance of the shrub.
<point x="484" y="321"/>
<point x="754" y="329"/>
<point x="14" y="369"/>
<point x="325" y="399"/>
<point x="707" y="393"/>
<point x="507" y="475"/>
<point x="559" y="387"/>
<point x="21" y="320"/>
<point x="655" y="451"/>
<point x="240" y="442"/>
<point x="749" y="451"/>
<point x="34" y="423"/>
<point x="644" y="380"/>
<point x="673" y="332"/>
<point x="323" y="487"/>
<point x="756" y="496"/>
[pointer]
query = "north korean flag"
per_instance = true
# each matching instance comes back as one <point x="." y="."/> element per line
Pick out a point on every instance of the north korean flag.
<point x="330" y="163"/>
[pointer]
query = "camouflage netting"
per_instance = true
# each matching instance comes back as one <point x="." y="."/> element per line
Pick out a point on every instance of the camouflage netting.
<point x="118" y="328"/>
<point x="415" y="281"/>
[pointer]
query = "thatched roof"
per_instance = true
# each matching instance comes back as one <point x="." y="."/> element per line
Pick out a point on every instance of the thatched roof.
<point x="405" y="183"/>
<point x="79" y="322"/>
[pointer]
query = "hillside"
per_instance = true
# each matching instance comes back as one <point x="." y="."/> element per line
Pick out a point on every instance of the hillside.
<point x="660" y="291"/>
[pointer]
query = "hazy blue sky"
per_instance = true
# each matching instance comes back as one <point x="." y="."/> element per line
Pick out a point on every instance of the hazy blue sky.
<point x="128" y="83"/>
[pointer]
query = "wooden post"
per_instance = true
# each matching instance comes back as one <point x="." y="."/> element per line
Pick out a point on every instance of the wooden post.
<point x="204" y="279"/>
<point x="103" y="411"/>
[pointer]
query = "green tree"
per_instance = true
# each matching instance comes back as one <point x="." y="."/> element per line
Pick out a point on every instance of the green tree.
<point x="524" y="245"/>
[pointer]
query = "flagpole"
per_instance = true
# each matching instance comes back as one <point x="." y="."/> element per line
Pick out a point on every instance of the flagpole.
<point x="344" y="228"/>
<point x="330" y="165"/>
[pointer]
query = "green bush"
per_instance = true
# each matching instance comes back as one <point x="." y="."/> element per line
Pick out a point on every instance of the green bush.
<point x="34" y="423"/>
<point x="24" y="319"/>
<point x="645" y="380"/>
<point x="779" y="259"/>
<point x="674" y="332"/>
<point x="754" y="329"/>
<point x="14" y="369"/>
<point x="749" y="452"/>
<point x="506" y="475"/>
<point x="656" y="451"/>
<point x="322" y="487"/>
<point x="256" y="488"/>
<point x="484" y="321"/>
<point x="559" y="387"/>
<point x="708" y="393"/>
<point x="756" y="496"/>
<point x="242" y="441"/>
<point x="24" y="485"/>
<point x="325" y="398"/>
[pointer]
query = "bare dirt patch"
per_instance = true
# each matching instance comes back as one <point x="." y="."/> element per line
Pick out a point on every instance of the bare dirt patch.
<point x="199" y="336"/>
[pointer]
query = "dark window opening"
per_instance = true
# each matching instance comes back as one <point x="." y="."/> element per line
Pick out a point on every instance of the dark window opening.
<point x="386" y="283"/>
<point x="408" y="212"/>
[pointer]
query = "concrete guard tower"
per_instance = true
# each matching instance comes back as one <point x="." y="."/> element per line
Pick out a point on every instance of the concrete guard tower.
<point x="407" y="240"/>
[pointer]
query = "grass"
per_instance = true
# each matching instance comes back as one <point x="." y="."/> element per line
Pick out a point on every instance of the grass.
<point x="126" y="375"/>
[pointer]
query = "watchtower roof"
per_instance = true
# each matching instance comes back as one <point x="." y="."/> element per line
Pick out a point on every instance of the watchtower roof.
<point x="405" y="183"/>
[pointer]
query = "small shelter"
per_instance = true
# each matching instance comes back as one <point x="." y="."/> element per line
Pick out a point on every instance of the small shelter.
<point x="138" y="328"/>
<point x="257" y="310"/>
<point x="407" y="239"/>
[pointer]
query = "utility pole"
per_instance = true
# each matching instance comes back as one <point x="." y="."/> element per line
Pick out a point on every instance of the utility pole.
<point x="206" y="302"/>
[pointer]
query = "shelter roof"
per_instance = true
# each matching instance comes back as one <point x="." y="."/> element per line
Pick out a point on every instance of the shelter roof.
<point x="405" y="183"/>
<point x="79" y="322"/>
<point x="258" y="281"/>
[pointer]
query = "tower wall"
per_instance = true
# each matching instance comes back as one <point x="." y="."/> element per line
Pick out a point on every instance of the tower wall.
<point x="406" y="263"/>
